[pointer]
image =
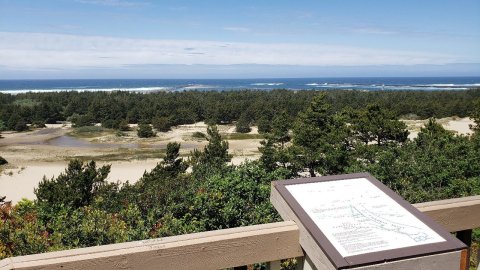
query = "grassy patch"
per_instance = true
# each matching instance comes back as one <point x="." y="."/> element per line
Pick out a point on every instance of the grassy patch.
<point x="242" y="136"/>
<point x="90" y="132"/>
<point x="126" y="155"/>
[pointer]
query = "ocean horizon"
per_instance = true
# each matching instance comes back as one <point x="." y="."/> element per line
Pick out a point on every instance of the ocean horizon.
<point x="152" y="85"/>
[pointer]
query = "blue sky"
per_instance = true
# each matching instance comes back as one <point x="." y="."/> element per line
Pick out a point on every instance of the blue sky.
<point x="226" y="38"/>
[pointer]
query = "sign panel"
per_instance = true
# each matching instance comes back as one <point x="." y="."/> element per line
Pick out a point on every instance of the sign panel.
<point x="353" y="220"/>
<point x="358" y="218"/>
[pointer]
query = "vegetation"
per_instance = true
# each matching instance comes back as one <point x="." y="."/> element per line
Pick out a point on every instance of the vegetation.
<point x="3" y="161"/>
<point x="164" y="110"/>
<point x="145" y="131"/>
<point x="330" y="135"/>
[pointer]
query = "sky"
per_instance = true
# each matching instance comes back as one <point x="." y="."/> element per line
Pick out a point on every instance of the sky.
<point x="43" y="39"/>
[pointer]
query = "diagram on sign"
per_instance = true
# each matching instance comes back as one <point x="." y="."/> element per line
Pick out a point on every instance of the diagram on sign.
<point x="358" y="218"/>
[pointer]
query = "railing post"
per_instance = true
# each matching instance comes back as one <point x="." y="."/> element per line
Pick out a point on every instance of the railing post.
<point x="466" y="237"/>
<point x="304" y="263"/>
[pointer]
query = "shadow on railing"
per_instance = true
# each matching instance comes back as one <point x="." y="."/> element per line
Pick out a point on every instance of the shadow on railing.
<point x="226" y="248"/>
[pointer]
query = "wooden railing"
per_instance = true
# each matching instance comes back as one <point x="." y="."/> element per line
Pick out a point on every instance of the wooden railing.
<point x="225" y="248"/>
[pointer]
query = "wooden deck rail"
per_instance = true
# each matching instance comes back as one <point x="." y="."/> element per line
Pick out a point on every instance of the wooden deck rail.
<point x="223" y="248"/>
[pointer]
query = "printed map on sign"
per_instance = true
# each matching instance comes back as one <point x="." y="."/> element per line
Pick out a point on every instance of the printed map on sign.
<point x="358" y="218"/>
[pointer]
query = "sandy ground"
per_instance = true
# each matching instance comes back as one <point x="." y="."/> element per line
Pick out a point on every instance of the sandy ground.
<point x="35" y="154"/>
<point x="456" y="124"/>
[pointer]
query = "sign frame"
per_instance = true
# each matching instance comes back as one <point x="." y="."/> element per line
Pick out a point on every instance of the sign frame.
<point x="450" y="244"/>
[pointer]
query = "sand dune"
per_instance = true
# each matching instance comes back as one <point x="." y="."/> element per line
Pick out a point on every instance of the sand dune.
<point x="30" y="159"/>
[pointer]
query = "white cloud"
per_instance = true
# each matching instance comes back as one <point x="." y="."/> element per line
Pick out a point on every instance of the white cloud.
<point x="34" y="51"/>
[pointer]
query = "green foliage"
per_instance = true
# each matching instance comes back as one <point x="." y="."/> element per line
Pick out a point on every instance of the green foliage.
<point x="319" y="137"/>
<point x="274" y="149"/>
<point x="145" y="131"/>
<point x="87" y="108"/>
<point x="74" y="188"/>
<point x="111" y="123"/>
<point x="79" y="208"/>
<point x="243" y="124"/>
<point x="213" y="157"/>
<point x="88" y="131"/>
<point x="237" y="198"/>
<point x="3" y="127"/>
<point x="162" y="123"/>
<point x="123" y="125"/>
<point x="475" y="115"/>
<point x="20" y="126"/>
<point x="3" y="161"/>
<point x="264" y="125"/>
<point x="374" y="124"/>
<point x="82" y="120"/>
<point x="199" y="135"/>
<point x="436" y="165"/>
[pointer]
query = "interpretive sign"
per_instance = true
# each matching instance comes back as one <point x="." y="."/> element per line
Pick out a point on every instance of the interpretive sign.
<point x="356" y="221"/>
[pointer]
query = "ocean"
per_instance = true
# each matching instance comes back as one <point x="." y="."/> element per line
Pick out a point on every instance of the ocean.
<point x="146" y="85"/>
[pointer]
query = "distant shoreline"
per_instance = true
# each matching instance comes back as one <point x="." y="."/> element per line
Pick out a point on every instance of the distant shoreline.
<point x="151" y="85"/>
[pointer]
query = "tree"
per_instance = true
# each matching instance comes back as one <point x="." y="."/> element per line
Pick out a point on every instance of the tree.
<point x="76" y="187"/>
<point x="320" y="139"/>
<point x="475" y="115"/>
<point x="374" y="124"/>
<point x="145" y="131"/>
<point x="162" y="123"/>
<point x="82" y="120"/>
<point x="243" y="124"/>
<point x="214" y="155"/>
<point x="172" y="163"/>
<point x="274" y="148"/>
<point x="264" y="125"/>
<point x="165" y="188"/>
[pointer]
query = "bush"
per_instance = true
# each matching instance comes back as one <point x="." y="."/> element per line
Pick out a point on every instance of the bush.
<point x="264" y="125"/>
<point x="145" y="131"/>
<point x="21" y="126"/>
<point x="3" y="161"/>
<point x="162" y="124"/>
<point x="243" y="125"/>
<point x="38" y="124"/>
<point x="123" y="126"/>
<point x="199" y="135"/>
<point x="110" y="123"/>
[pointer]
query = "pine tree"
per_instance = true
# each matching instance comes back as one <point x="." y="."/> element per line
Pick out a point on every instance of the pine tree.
<point x="320" y="139"/>
<point x="214" y="155"/>
<point x="378" y="125"/>
<point x="74" y="188"/>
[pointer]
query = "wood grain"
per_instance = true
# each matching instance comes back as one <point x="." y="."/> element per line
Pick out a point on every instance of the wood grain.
<point x="223" y="248"/>
<point x="454" y="214"/>
<point x="208" y="250"/>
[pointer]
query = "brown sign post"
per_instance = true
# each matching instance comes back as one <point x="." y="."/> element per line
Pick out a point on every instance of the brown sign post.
<point x="353" y="221"/>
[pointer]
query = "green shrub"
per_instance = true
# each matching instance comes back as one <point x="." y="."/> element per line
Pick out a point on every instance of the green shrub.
<point x="3" y="161"/>
<point x="145" y="131"/>
<point x="199" y="135"/>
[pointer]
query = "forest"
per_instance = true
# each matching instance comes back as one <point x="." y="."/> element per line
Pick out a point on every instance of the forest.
<point x="307" y="133"/>
<point x="167" y="109"/>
